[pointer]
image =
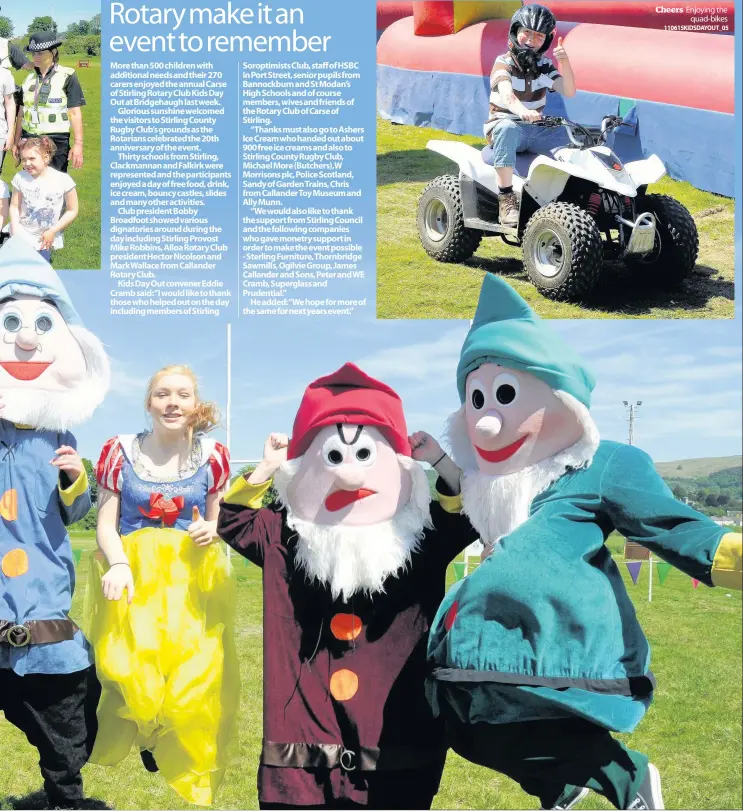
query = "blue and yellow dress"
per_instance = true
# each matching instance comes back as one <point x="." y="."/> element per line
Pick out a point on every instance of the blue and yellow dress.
<point x="166" y="662"/>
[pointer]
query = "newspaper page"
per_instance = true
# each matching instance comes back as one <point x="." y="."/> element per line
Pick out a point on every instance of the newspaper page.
<point x="370" y="404"/>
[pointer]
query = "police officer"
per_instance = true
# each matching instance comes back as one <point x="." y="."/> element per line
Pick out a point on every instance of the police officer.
<point x="52" y="101"/>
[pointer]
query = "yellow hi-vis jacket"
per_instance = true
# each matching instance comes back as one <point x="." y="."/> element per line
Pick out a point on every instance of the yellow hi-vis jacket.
<point x="45" y="102"/>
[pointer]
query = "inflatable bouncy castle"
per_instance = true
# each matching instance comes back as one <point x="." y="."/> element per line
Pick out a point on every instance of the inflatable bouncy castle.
<point x="675" y="87"/>
<point x="391" y="11"/>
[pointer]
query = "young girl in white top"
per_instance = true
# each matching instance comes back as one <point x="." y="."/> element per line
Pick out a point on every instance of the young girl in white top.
<point x="40" y="193"/>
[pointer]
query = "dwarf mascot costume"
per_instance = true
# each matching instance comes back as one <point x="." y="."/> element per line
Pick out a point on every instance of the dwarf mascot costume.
<point x="354" y="562"/>
<point x="538" y="653"/>
<point x="53" y="374"/>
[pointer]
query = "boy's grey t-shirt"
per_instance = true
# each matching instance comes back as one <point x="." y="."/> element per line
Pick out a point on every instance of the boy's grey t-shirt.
<point x="532" y="92"/>
<point x="7" y="84"/>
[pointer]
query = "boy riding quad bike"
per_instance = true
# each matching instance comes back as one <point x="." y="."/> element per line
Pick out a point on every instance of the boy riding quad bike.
<point x="556" y="204"/>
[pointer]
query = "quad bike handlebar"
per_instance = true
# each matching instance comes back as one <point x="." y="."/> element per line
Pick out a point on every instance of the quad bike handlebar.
<point x="593" y="136"/>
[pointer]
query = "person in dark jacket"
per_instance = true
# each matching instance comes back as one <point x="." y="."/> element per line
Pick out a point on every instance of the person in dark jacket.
<point x="52" y="103"/>
<point x="354" y="560"/>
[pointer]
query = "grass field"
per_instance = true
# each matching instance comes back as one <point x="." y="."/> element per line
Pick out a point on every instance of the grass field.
<point x="412" y="285"/>
<point x="692" y="732"/>
<point x="82" y="240"/>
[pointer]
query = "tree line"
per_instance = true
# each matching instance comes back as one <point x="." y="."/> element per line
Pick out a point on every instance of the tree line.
<point x="81" y="37"/>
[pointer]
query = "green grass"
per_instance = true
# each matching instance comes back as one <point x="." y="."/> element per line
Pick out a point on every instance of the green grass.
<point x="82" y="240"/>
<point x="692" y="731"/>
<point x="412" y="285"/>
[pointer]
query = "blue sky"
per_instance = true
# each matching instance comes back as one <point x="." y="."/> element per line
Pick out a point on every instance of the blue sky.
<point x="687" y="373"/>
<point x="63" y="12"/>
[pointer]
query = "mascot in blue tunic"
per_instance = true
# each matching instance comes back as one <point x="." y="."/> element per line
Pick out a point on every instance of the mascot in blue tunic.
<point x="53" y="374"/>
<point x="538" y="655"/>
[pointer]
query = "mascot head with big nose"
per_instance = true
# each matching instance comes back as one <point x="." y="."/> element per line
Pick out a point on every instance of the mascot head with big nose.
<point x="524" y="419"/>
<point x="357" y="500"/>
<point x="53" y="372"/>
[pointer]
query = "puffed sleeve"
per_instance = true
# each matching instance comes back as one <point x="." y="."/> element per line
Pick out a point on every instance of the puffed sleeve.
<point x="219" y="468"/>
<point x="110" y="462"/>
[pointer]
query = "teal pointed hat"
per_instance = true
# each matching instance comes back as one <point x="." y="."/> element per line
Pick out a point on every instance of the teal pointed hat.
<point x="23" y="271"/>
<point x="506" y="331"/>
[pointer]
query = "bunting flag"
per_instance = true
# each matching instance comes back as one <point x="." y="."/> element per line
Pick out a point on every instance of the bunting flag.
<point x="694" y="582"/>
<point x="633" y="567"/>
<point x="458" y="570"/>
<point x="663" y="570"/>
<point x="77" y="554"/>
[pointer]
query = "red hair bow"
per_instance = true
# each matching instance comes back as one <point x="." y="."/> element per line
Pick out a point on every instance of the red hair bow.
<point x="165" y="509"/>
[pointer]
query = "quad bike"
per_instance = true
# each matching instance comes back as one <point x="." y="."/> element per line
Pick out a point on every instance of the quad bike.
<point x="568" y="199"/>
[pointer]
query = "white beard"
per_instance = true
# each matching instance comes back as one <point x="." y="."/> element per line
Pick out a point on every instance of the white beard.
<point x="354" y="559"/>
<point x="497" y="505"/>
<point x="59" y="410"/>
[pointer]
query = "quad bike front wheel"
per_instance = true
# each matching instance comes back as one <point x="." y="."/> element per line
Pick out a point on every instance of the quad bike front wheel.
<point x="563" y="253"/>
<point x="441" y="222"/>
<point x="676" y="245"/>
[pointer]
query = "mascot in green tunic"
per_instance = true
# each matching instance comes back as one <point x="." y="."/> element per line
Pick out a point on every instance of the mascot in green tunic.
<point x="538" y="655"/>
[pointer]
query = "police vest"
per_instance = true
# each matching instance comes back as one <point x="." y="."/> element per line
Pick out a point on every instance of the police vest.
<point x="45" y="102"/>
<point x="5" y="54"/>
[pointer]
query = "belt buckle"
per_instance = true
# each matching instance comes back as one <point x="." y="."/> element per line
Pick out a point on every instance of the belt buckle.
<point x="18" y="636"/>
<point x="347" y="760"/>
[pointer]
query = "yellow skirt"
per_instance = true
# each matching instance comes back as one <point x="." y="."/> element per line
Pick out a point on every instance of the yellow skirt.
<point x="167" y="662"/>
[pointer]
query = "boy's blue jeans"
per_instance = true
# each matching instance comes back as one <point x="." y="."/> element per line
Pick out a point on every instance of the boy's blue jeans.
<point x="510" y="137"/>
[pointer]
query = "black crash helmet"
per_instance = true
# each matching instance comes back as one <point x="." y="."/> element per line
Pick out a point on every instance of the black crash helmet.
<point x="535" y="18"/>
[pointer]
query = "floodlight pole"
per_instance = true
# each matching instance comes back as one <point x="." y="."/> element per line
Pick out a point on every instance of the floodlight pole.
<point x="631" y="417"/>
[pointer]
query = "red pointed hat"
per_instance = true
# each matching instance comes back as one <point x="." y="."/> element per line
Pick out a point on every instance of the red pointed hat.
<point x="349" y="396"/>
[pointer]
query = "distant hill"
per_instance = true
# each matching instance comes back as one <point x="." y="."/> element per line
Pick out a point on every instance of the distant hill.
<point x="681" y="469"/>
<point x="697" y="468"/>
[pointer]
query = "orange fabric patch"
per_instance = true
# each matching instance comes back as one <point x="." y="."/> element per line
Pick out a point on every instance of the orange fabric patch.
<point x="345" y="626"/>
<point x="9" y="505"/>
<point x="343" y="685"/>
<point x="15" y="563"/>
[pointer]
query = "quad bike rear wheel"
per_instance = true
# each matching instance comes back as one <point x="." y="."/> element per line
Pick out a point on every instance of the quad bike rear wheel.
<point x="563" y="252"/>
<point x="441" y="222"/>
<point x="676" y="245"/>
